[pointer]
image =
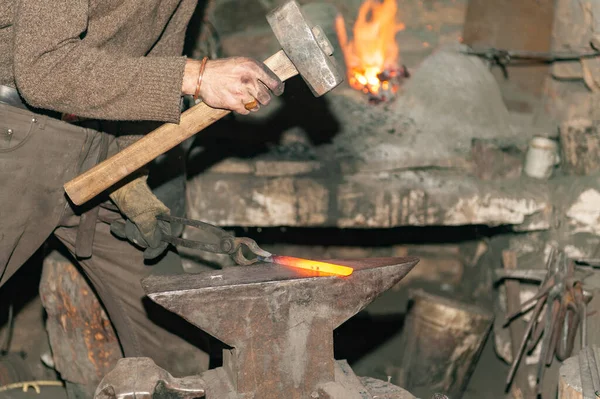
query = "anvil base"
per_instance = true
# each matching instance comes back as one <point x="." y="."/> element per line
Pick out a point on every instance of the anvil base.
<point x="346" y="386"/>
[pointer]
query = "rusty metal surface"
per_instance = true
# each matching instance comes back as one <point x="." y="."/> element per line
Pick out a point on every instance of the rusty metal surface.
<point x="278" y="322"/>
<point x="84" y="345"/>
<point x="307" y="47"/>
<point x="141" y="378"/>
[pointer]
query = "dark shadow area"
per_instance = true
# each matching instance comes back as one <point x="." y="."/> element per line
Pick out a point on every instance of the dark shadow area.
<point x="370" y="237"/>
<point x="178" y="326"/>
<point x="167" y="170"/>
<point x="364" y="333"/>
<point x="20" y="290"/>
<point x="194" y="29"/>
<point x="248" y="137"/>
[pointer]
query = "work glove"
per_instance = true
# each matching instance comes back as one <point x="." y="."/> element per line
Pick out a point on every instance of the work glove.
<point x="140" y="206"/>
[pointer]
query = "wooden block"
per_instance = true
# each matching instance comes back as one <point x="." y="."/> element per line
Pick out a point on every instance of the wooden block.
<point x="580" y="141"/>
<point x="569" y="381"/>
<point x="84" y="344"/>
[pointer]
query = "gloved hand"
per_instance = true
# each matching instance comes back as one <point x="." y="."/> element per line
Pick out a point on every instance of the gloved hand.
<point x="136" y="201"/>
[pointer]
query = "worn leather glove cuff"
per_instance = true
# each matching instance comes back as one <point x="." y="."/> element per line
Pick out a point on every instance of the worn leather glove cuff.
<point x="129" y="231"/>
<point x="137" y="202"/>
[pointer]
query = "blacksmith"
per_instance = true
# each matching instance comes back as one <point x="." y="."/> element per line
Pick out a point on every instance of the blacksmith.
<point x="75" y="77"/>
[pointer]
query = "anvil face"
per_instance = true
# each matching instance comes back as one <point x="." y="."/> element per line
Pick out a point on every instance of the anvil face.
<point x="279" y="321"/>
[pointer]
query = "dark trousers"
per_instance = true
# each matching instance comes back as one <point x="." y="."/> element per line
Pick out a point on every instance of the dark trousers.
<point x="37" y="156"/>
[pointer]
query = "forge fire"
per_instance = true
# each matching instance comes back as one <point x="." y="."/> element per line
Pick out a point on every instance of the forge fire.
<point x="372" y="54"/>
<point x="255" y="199"/>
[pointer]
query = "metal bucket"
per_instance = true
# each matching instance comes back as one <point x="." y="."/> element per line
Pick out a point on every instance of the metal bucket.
<point x="442" y="340"/>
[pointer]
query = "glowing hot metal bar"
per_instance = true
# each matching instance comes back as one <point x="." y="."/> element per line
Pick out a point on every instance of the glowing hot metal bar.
<point x="307" y="264"/>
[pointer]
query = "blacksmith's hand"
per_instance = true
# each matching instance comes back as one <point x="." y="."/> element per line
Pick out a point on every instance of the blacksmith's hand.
<point x="140" y="206"/>
<point x="238" y="84"/>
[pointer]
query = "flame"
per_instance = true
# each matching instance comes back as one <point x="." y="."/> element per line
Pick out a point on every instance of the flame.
<point x="313" y="265"/>
<point x="373" y="49"/>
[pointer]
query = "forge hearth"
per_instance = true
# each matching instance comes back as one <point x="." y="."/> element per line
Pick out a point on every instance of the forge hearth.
<point x="433" y="156"/>
<point x="419" y="160"/>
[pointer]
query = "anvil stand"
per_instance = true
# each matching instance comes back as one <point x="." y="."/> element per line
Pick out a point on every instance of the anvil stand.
<point x="279" y="324"/>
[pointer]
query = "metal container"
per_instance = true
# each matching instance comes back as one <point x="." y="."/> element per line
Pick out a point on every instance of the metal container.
<point x="442" y="340"/>
<point x="542" y="156"/>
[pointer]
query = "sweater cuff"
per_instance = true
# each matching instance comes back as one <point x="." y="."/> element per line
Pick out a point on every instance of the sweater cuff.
<point x="163" y="77"/>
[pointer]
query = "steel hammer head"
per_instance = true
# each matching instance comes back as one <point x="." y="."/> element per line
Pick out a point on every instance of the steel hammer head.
<point x="306" y="46"/>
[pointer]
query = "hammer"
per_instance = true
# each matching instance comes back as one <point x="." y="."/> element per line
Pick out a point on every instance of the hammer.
<point x="305" y="51"/>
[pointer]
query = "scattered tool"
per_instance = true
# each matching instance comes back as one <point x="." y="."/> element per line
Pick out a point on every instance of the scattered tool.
<point x="502" y="58"/>
<point x="565" y="301"/>
<point x="278" y="325"/>
<point x="305" y="51"/>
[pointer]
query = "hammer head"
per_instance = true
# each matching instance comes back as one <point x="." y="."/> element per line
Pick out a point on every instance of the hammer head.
<point x="307" y="48"/>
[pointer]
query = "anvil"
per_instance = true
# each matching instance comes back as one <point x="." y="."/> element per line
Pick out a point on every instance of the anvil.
<point x="278" y="323"/>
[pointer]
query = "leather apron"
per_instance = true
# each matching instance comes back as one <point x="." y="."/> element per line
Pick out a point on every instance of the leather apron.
<point x="38" y="154"/>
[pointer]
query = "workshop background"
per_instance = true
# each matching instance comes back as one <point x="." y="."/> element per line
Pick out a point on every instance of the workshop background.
<point x="471" y="162"/>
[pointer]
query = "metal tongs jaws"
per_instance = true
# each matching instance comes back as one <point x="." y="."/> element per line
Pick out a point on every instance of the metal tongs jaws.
<point x="227" y="243"/>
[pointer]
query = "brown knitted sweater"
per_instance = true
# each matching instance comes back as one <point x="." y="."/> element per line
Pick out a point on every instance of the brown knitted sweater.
<point x="103" y="59"/>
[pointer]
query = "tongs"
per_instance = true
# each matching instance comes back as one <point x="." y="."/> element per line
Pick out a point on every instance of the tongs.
<point x="227" y="243"/>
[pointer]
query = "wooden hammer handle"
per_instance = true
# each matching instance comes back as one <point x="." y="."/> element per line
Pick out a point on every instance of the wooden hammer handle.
<point x="104" y="175"/>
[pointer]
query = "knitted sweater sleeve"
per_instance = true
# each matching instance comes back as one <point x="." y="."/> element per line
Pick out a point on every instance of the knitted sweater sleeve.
<point x="56" y="69"/>
<point x="172" y="40"/>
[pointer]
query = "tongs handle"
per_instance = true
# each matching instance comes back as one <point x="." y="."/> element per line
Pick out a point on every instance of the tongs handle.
<point x="226" y="244"/>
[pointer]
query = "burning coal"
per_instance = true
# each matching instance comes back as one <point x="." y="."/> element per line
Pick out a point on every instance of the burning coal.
<point x="372" y="54"/>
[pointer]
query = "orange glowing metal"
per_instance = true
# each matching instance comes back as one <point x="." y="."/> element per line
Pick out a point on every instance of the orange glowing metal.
<point x="373" y="49"/>
<point x="313" y="265"/>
